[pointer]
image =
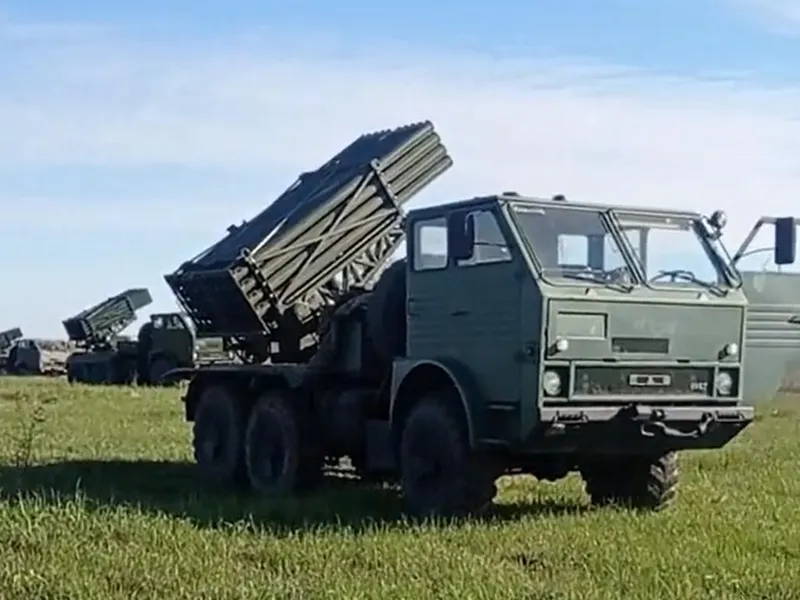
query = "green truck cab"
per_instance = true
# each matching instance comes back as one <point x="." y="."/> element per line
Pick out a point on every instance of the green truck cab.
<point x="597" y="361"/>
<point x="167" y="341"/>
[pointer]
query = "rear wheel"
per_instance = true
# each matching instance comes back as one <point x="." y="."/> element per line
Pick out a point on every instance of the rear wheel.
<point x="281" y="453"/>
<point x="649" y="483"/>
<point x="219" y="424"/>
<point x="441" y="475"/>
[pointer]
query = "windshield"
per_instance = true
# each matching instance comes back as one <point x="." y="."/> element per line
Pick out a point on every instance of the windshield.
<point x="671" y="250"/>
<point x="576" y="244"/>
<point x="573" y="244"/>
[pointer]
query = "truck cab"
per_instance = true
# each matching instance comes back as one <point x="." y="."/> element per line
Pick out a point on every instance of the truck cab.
<point x="25" y="357"/>
<point x="169" y="343"/>
<point x="579" y="336"/>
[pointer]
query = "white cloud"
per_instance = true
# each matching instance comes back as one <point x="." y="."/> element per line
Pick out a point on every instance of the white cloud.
<point x="537" y="126"/>
<point x="594" y="132"/>
<point x="779" y="16"/>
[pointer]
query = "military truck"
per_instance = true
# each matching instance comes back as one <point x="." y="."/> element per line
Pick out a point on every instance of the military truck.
<point x="166" y="341"/>
<point x="103" y="356"/>
<point x="485" y="352"/>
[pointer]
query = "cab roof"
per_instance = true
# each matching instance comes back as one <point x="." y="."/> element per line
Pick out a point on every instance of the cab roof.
<point x="538" y="202"/>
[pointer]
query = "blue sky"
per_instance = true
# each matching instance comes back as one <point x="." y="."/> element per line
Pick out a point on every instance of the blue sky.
<point x="132" y="134"/>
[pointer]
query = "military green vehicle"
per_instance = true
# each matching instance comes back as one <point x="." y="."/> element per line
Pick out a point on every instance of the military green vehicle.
<point x="165" y="342"/>
<point x="772" y="340"/>
<point x="487" y="351"/>
<point x="103" y="356"/>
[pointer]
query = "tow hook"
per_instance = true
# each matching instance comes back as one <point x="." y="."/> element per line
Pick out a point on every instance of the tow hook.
<point x="654" y="427"/>
<point x="558" y="426"/>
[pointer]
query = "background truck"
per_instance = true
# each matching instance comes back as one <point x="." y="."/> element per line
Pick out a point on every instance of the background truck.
<point x="483" y="353"/>
<point x="26" y="356"/>
<point x="165" y="342"/>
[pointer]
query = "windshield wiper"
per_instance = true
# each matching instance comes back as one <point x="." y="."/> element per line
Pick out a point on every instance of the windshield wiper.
<point x="689" y="276"/>
<point x="613" y="279"/>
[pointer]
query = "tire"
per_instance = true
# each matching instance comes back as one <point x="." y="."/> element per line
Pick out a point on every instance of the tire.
<point x="386" y="312"/>
<point x="433" y="439"/>
<point x="281" y="454"/>
<point x="156" y="369"/>
<point x="644" y="483"/>
<point x="218" y="436"/>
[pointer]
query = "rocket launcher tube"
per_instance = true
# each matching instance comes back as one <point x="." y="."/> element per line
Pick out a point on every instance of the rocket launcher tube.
<point x="328" y="222"/>
<point x="107" y="318"/>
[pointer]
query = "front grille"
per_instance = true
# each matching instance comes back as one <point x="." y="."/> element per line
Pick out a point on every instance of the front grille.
<point x="643" y="381"/>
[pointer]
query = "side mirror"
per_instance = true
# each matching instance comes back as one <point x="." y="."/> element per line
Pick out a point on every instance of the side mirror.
<point x="461" y="235"/>
<point x="785" y="241"/>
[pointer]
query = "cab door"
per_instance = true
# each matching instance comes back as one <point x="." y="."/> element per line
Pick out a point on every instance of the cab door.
<point x="771" y="353"/>
<point x="467" y="310"/>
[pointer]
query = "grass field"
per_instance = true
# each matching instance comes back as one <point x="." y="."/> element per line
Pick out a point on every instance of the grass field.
<point x="99" y="501"/>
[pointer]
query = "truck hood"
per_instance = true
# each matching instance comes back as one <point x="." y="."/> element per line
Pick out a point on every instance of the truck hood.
<point x="643" y="331"/>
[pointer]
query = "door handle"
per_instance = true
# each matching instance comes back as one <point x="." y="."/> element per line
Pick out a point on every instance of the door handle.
<point x="459" y="313"/>
<point x="794" y="319"/>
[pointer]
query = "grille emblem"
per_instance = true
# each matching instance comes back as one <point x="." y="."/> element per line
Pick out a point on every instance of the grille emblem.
<point x="642" y="380"/>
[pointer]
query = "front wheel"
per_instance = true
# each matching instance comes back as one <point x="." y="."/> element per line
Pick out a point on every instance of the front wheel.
<point x="649" y="483"/>
<point x="441" y="475"/>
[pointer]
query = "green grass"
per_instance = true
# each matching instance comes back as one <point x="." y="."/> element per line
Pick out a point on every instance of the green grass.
<point x="99" y="501"/>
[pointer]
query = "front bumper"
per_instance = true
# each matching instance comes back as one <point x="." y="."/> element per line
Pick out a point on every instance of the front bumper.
<point x="637" y="428"/>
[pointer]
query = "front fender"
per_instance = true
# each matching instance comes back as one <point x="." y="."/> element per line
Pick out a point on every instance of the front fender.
<point x="410" y="377"/>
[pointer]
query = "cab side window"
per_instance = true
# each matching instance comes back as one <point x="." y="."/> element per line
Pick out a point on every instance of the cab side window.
<point x="488" y="244"/>
<point x="430" y="244"/>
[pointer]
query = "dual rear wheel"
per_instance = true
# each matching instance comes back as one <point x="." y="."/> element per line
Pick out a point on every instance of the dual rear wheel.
<point x="266" y="448"/>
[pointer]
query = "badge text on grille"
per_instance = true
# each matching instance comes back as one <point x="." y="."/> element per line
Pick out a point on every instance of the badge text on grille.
<point x="642" y="380"/>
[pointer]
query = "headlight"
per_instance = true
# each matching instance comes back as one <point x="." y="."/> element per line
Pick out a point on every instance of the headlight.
<point x="562" y="344"/>
<point x="551" y="383"/>
<point x="724" y="384"/>
<point x="731" y="349"/>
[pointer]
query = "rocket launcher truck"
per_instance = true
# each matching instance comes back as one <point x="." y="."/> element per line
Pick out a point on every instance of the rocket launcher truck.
<point x="479" y="354"/>
<point x="166" y="341"/>
<point x="101" y="356"/>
